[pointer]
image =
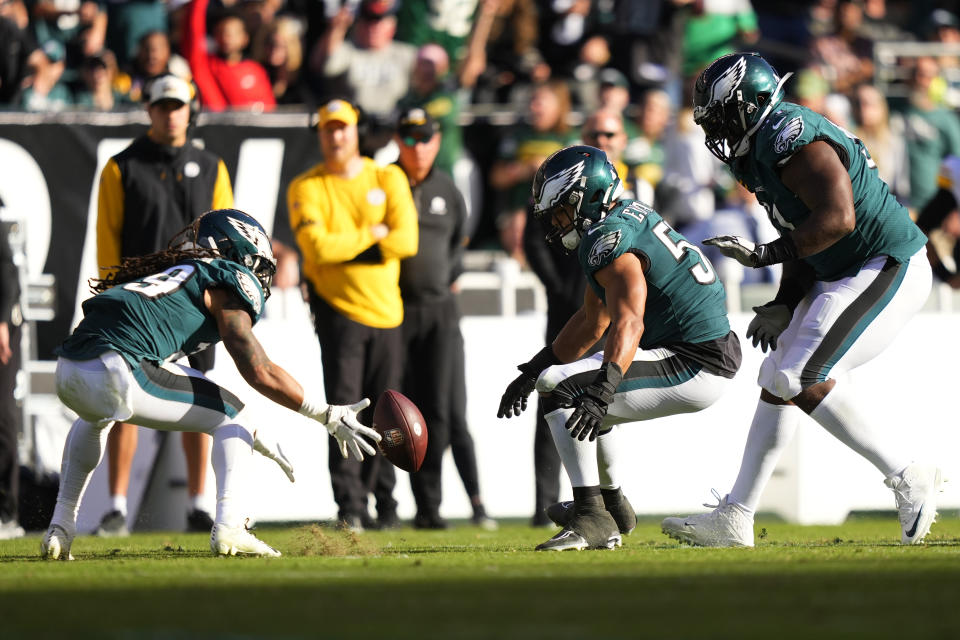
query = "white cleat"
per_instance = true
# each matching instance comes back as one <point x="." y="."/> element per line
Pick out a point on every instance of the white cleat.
<point x="56" y="544"/>
<point x="233" y="541"/>
<point x="726" y="526"/>
<point x="915" y="491"/>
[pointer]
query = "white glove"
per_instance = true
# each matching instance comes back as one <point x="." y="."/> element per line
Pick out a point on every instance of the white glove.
<point x="341" y="421"/>
<point x="768" y="324"/>
<point x="274" y="452"/>
<point x="740" y="249"/>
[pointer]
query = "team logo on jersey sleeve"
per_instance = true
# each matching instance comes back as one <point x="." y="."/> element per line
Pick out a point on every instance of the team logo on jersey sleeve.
<point x="790" y="132"/>
<point x="604" y="248"/>
<point x="250" y="289"/>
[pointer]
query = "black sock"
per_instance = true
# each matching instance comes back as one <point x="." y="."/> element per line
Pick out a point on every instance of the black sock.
<point x="587" y="497"/>
<point x="611" y="497"/>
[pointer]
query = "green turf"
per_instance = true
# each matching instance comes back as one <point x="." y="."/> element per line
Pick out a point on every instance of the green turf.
<point x="799" y="582"/>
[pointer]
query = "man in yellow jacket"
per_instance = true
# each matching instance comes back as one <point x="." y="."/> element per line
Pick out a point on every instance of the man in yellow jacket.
<point x="353" y="222"/>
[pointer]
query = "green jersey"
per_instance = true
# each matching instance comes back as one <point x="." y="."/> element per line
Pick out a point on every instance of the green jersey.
<point x="160" y="317"/>
<point x="686" y="302"/>
<point x="883" y="225"/>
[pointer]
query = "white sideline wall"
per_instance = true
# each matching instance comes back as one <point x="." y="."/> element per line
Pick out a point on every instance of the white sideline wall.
<point x="677" y="460"/>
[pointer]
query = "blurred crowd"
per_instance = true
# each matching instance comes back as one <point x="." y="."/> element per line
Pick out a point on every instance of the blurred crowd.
<point x="511" y="81"/>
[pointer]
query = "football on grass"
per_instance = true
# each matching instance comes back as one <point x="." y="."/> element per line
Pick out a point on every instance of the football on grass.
<point x="400" y="424"/>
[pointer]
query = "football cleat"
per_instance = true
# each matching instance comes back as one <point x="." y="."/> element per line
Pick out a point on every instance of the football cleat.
<point x="617" y="505"/>
<point x="56" y="544"/>
<point x="199" y="521"/>
<point x="11" y="529"/>
<point x="233" y="541"/>
<point x="113" y="525"/>
<point x="591" y="529"/>
<point x="728" y="525"/>
<point x="915" y="491"/>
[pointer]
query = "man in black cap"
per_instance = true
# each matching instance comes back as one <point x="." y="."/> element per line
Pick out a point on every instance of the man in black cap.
<point x="434" y="374"/>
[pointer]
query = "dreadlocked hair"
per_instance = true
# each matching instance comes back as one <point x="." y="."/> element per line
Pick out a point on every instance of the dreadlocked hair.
<point x="136" y="267"/>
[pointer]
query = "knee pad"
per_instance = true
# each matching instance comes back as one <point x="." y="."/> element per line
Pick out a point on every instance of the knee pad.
<point x="777" y="382"/>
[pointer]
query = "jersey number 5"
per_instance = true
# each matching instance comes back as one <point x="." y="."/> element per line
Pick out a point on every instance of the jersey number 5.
<point x="161" y="284"/>
<point x="703" y="271"/>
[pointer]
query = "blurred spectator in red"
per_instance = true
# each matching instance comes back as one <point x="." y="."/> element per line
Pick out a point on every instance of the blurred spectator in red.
<point x="883" y="137"/>
<point x="844" y="56"/>
<point x="503" y="53"/>
<point x="97" y="92"/>
<point x="277" y="46"/>
<point x="225" y="78"/>
<point x="521" y="153"/>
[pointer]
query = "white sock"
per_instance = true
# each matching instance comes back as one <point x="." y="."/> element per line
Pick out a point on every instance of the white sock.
<point x="119" y="503"/>
<point x="197" y="502"/>
<point x="81" y="455"/>
<point x="579" y="457"/>
<point x="609" y="454"/>
<point x="839" y="414"/>
<point x="771" y="431"/>
<point x="230" y="454"/>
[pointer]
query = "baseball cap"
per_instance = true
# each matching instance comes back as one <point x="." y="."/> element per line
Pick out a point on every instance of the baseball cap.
<point x="376" y="9"/>
<point x="337" y="110"/>
<point x="611" y="77"/>
<point x="170" y="87"/>
<point x="417" y="125"/>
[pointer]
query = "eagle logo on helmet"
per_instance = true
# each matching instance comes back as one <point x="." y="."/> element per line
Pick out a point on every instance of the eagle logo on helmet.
<point x="790" y="132"/>
<point x="557" y="185"/>
<point x="724" y="86"/>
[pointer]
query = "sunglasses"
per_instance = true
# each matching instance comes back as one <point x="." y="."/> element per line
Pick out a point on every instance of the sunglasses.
<point x="411" y="141"/>
<point x="601" y="134"/>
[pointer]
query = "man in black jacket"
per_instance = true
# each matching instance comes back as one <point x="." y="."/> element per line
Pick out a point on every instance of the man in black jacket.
<point x="10" y="416"/>
<point x="149" y="192"/>
<point x="434" y="372"/>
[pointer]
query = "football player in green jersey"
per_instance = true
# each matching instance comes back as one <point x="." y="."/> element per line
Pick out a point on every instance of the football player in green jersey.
<point x="669" y="348"/>
<point x="118" y="364"/>
<point x="854" y="272"/>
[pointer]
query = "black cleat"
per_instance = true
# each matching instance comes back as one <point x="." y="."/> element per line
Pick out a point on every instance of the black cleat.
<point x="114" y="525"/>
<point x="429" y="520"/>
<point x="590" y="529"/>
<point x="615" y="502"/>
<point x="199" y="521"/>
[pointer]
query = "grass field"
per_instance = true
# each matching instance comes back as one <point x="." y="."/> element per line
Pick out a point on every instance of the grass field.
<point x="850" y="581"/>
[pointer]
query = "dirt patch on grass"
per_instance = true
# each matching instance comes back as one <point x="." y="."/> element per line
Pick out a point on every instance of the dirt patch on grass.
<point x="315" y="540"/>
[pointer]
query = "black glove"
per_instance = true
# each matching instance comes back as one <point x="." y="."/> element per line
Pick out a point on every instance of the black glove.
<point x="514" y="400"/>
<point x="590" y="407"/>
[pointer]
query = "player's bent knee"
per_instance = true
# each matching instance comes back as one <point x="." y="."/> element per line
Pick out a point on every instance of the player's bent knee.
<point x="786" y="386"/>
<point x="549" y="379"/>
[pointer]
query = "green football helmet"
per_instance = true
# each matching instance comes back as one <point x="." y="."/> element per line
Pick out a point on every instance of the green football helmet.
<point x="732" y="98"/>
<point x="579" y="181"/>
<point x="238" y="237"/>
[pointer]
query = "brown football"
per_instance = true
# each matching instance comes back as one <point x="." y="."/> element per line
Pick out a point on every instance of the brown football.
<point x="400" y="424"/>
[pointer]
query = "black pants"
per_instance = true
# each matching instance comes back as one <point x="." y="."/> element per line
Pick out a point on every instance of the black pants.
<point x="430" y="334"/>
<point x="358" y="362"/>
<point x="461" y="442"/>
<point x="10" y="419"/>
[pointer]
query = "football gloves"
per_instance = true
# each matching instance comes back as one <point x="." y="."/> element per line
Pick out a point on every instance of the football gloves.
<point x="749" y="254"/>
<point x="590" y="407"/>
<point x="341" y="421"/>
<point x="514" y="400"/>
<point x="271" y="449"/>
<point x="770" y="321"/>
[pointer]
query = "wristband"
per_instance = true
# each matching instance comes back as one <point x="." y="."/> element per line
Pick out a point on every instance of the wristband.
<point x="783" y="249"/>
<point x="544" y="358"/>
<point x="610" y="374"/>
<point x="314" y="408"/>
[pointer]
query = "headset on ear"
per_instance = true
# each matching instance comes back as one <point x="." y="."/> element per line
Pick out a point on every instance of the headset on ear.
<point x="195" y="105"/>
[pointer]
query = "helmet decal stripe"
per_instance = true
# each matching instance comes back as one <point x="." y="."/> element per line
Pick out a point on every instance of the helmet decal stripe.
<point x="557" y="185"/>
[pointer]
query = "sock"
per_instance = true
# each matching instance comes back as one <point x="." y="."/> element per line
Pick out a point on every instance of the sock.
<point x="119" y="503"/>
<point x="611" y="497"/>
<point x="579" y="457"/>
<point x="197" y="503"/>
<point x="81" y="455"/>
<point x="609" y="455"/>
<point x="771" y="431"/>
<point x="230" y="454"/>
<point x="588" y="498"/>
<point x="839" y="414"/>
